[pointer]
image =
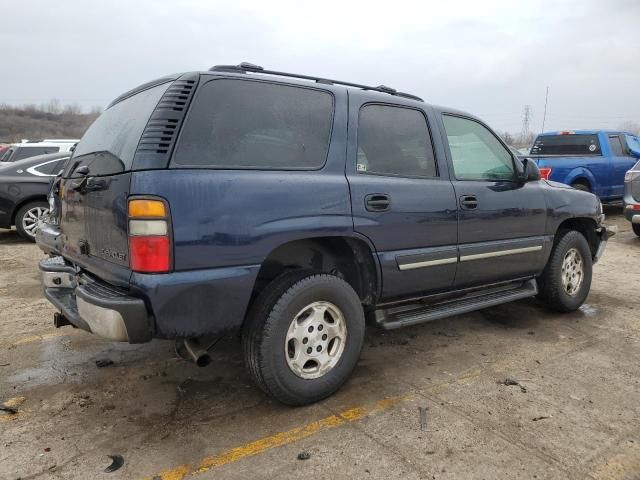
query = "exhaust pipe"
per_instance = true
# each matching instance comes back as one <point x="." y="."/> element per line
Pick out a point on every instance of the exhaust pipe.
<point x="190" y="349"/>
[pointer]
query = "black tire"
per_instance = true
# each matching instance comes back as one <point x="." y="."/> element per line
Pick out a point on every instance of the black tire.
<point x="636" y="228"/>
<point x="581" y="186"/>
<point x="552" y="292"/>
<point x="266" y="326"/>
<point x="20" y="216"/>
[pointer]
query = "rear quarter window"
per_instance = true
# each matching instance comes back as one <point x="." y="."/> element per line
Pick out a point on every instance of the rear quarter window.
<point x="241" y="124"/>
<point x="571" y="144"/>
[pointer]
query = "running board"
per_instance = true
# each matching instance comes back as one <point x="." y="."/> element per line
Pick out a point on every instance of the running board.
<point x="397" y="317"/>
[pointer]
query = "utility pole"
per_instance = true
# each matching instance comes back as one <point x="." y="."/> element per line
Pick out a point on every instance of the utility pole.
<point x="526" y="118"/>
<point x="544" y="116"/>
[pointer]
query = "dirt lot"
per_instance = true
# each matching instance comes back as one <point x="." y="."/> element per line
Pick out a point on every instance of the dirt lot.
<point x="425" y="402"/>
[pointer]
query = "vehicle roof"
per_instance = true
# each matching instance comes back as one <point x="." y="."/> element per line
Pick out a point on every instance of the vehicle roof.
<point x="586" y="132"/>
<point x="375" y="95"/>
<point x="61" y="140"/>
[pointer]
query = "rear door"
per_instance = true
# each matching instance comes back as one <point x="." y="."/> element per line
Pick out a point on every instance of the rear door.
<point x="402" y="198"/>
<point x="621" y="162"/>
<point x="501" y="221"/>
<point x="93" y="216"/>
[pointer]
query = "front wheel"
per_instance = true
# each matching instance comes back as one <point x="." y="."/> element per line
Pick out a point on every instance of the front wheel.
<point x="566" y="279"/>
<point x="303" y="337"/>
<point x="28" y="217"/>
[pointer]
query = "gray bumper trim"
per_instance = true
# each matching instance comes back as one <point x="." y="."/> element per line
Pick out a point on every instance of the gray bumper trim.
<point x="96" y="307"/>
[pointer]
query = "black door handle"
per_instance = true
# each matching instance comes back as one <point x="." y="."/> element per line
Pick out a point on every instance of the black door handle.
<point x="377" y="202"/>
<point x="469" y="202"/>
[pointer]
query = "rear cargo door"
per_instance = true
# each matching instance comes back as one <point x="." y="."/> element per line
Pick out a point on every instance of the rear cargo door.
<point x="95" y="186"/>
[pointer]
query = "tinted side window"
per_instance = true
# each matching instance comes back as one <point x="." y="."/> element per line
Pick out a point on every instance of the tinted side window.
<point x="616" y="146"/>
<point x="246" y="124"/>
<point x="476" y="152"/>
<point x="394" y="141"/>
<point x="51" y="168"/>
<point x="27" y="152"/>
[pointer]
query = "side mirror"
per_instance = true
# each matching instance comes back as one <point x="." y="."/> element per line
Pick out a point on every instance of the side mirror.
<point x="530" y="171"/>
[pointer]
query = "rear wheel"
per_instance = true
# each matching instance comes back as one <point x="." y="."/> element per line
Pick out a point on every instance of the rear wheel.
<point x="566" y="279"/>
<point x="28" y="217"/>
<point x="583" y="186"/>
<point x="636" y="228"/>
<point x="303" y="337"/>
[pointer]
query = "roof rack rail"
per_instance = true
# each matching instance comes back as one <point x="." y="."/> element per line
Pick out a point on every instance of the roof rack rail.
<point x="245" y="67"/>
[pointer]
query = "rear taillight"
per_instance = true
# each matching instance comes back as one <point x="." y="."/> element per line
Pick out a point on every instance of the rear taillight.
<point x="149" y="242"/>
<point x="545" y="172"/>
<point x="634" y="206"/>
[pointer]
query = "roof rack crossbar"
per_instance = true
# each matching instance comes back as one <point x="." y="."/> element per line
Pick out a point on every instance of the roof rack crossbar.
<point x="245" y="67"/>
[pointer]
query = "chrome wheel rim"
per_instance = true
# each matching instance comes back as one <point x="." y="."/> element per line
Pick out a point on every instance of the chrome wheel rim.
<point x="315" y="340"/>
<point x="31" y="219"/>
<point x="572" y="272"/>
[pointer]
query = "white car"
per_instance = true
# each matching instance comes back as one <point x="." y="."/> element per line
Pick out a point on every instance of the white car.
<point x="26" y="149"/>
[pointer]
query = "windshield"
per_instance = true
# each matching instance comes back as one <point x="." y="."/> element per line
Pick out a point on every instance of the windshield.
<point x="569" y="144"/>
<point x="4" y="157"/>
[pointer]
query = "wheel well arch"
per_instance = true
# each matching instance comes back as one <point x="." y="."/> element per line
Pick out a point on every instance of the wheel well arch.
<point x="349" y="258"/>
<point x="23" y="202"/>
<point x="586" y="226"/>
<point x="581" y="175"/>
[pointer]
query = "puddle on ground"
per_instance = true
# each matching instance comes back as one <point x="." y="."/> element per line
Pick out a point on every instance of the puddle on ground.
<point x="588" y="310"/>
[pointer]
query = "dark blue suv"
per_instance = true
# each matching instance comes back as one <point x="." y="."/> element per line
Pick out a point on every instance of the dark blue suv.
<point x="292" y="208"/>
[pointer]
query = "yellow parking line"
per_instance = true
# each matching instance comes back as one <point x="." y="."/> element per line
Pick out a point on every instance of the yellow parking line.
<point x="277" y="440"/>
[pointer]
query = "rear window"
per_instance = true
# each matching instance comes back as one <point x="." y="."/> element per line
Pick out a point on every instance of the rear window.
<point x="110" y="143"/>
<point x="571" y="144"/>
<point x="256" y="125"/>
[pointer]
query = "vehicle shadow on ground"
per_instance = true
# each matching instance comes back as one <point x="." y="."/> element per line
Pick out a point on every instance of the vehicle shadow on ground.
<point x="8" y="237"/>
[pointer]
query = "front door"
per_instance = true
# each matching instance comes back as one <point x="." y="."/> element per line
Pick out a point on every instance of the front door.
<point x="402" y="199"/>
<point x="501" y="221"/>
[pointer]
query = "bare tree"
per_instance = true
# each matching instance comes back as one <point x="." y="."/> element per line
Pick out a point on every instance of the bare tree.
<point x="53" y="106"/>
<point x="508" y="138"/>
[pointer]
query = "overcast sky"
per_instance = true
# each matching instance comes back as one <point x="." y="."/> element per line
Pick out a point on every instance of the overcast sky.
<point x="487" y="57"/>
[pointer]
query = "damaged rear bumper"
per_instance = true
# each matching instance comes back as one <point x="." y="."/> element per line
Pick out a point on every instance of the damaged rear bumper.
<point x="94" y="306"/>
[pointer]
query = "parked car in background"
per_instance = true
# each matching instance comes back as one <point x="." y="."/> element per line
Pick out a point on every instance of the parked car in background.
<point x="589" y="160"/>
<point x="24" y="185"/>
<point x="632" y="197"/>
<point x="290" y="208"/>
<point x="20" y="151"/>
